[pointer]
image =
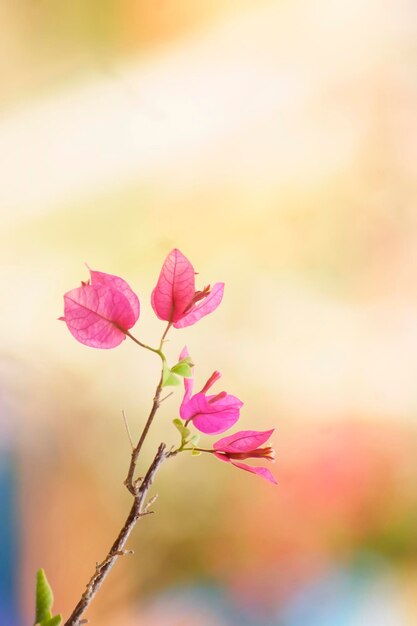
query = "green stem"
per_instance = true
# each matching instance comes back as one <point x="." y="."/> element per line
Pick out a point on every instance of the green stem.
<point x="143" y="345"/>
<point x="164" y="335"/>
<point x="181" y="449"/>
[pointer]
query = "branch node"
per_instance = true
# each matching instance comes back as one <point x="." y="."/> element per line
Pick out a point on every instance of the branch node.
<point x="123" y="552"/>
<point x="133" y="488"/>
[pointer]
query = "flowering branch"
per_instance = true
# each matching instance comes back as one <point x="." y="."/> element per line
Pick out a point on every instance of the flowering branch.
<point x="100" y="314"/>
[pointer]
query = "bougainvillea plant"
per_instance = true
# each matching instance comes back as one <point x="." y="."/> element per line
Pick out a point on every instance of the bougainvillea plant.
<point x="100" y="314"/>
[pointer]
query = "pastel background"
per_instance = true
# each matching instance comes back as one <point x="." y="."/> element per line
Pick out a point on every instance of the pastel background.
<point x="275" y="144"/>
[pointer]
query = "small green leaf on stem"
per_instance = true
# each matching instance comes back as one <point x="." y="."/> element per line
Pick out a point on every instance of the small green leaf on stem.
<point x="194" y="440"/>
<point x="171" y="381"/>
<point x="168" y="378"/>
<point x="195" y="452"/>
<point x="182" y="369"/>
<point x="44" y="597"/>
<point x="183" y="430"/>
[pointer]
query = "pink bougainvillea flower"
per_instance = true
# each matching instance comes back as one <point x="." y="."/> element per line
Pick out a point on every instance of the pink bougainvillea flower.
<point x="245" y="445"/>
<point x="175" y="299"/>
<point x="211" y="414"/>
<point x="99" y="313"/>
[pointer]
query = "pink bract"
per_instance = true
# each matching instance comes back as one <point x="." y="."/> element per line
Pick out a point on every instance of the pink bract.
<point x="175" y="299"/>
<point x="98" y="314"/>
<point x="243" y="441"/>
<point x="211" y="414"/>
<point x="245" y="445"/>
<point x="117" y="283"/>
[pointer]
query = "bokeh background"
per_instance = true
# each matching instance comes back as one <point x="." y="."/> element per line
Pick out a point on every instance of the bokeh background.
<point x="275" y="144"/>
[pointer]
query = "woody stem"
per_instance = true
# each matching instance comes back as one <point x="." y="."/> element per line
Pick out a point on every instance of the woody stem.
<point x="138" y="510"/>
<point x="139" y="492"/>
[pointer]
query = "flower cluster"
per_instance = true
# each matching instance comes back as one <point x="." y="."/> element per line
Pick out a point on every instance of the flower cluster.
<point x="100" y="314"/>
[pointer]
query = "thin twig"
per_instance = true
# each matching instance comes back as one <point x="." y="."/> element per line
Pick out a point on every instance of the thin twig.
<point x="128" y="430"/>
<point x="142" y="345"/>
<point x="149" y="504"/>
<point x="132" y="485"/>
<point x="166" y="397"/>
<point x="129" y="481"/>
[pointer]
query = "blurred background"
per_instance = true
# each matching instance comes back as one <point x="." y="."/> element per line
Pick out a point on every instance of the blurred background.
<point x="275" y="144"/>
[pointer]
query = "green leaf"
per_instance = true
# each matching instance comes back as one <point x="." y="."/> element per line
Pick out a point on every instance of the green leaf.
<point x="182" y="369"/>
<point x="171" y="381"/>
<point x="44" y="597"/>
<point x="183" y="430"/>
<point x="54" y="621"/>
<point x="194" y="440"/>
<point x="168" y="378"/>
<point x="195" y="452"/>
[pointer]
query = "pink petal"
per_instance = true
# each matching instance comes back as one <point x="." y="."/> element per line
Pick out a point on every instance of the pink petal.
<point x="260" y="471"/>
<point x="175" y="288"/>
<point x="115" y="282"/>
<point x="188" y="382"/>
<point x="243" y="441"/>
<point x="208" y="305"/>
<point x="95" y="315"/>
<point x="211" y="418"/>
